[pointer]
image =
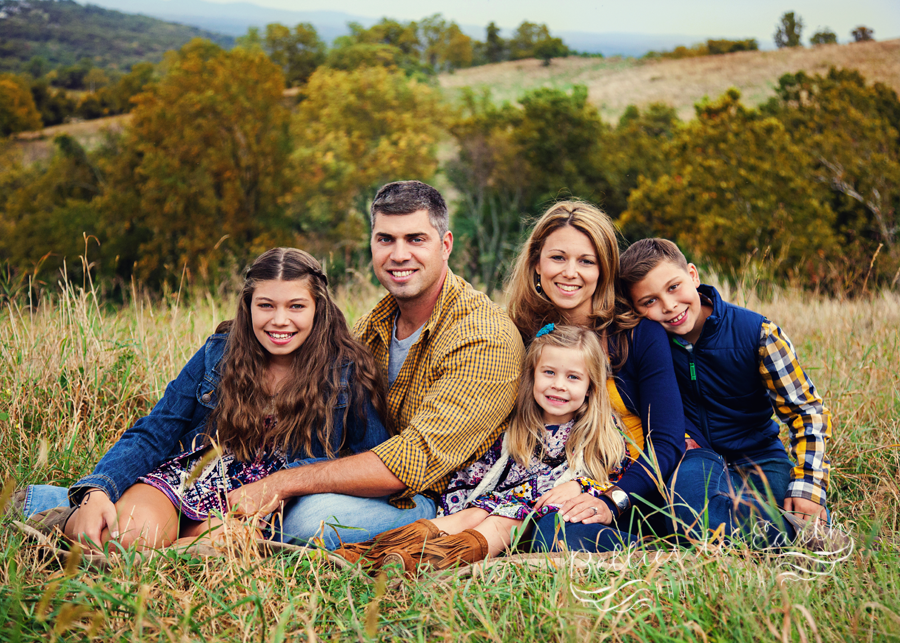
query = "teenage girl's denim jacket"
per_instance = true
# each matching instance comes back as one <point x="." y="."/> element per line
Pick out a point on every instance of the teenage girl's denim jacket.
<point x="180" y="417"/>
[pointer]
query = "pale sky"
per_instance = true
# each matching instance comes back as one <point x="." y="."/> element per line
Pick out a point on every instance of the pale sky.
<point x="725" y="18"/>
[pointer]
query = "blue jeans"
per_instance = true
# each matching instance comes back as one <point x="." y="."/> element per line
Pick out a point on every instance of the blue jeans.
<point x="360" y="518"/>
<point x="577" y="536"/>
<point x="744" y="501"/>
<point x="348" y="519"/>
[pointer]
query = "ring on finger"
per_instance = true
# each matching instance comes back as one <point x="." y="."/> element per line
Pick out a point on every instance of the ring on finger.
<point x="595" y="510"/>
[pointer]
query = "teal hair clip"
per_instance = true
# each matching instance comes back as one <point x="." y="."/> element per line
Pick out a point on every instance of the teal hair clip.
<point x="545" y="330"/>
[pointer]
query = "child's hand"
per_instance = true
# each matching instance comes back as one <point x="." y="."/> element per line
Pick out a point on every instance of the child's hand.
<point x="805" y="509"/>
<point x="558" y="495"/>
<point x="691" y="443"/>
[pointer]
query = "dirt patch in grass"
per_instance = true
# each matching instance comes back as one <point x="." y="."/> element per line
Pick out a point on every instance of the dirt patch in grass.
<point x="38" y="145"/>
<point x="615" y="83"/>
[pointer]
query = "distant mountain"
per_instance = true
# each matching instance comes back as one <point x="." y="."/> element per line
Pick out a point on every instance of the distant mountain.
<point x="64" y="32"/>
<point x="235" y="18"/>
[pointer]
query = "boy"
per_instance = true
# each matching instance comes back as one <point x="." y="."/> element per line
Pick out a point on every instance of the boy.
<point x="734" y="367"/>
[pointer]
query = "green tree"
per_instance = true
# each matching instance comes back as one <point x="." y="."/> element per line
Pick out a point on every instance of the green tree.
<point x="862" y="34"/>
<point x="198" y="178"/>
<point x="354" y="131"/>
<point x="561" y="136"/>
<point x="788" y="31"/>
<point x="298" y="53"/>
<point x="444" y="44"/>
<point x="18" y="112"/>
<point x="495" y="47"/>
<point x="492" y="178"/>
<point x="738" y="185"/>
<point x="823" y="37"/>
<point x="532" y="40"/>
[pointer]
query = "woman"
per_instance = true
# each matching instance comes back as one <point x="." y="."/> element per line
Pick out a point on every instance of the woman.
<point x="567" y="272"/>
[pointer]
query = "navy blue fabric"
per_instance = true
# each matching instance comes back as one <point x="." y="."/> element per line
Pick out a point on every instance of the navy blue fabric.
<point x="727" y="400"/>
<point x="649" y="389"/>
<point x="179" y="419"/>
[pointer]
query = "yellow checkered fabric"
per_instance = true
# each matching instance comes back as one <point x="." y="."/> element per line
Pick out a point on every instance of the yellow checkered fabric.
<point x="798" y="406"/>
<point x="455" y="390"/>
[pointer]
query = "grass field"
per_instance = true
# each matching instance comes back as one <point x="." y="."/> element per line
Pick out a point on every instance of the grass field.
<point x="75" y="372"/>
<point x="614" y="83"/>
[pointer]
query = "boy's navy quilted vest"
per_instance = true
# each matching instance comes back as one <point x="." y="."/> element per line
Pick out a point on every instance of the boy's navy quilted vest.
<point x="723" y="392"/>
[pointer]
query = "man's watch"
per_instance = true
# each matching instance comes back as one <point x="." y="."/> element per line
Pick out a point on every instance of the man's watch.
<point x="619" y="498"/>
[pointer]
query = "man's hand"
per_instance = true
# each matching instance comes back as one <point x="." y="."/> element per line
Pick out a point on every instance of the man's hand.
<point x="558" y="495"/>
<point x="258" y="498"/>
<point x="582" y="509"/>
<point x="95" y="513"/>
<point x="805" y="509"/>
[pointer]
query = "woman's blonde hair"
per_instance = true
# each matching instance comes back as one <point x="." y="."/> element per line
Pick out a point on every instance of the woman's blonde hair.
<point x="611" y="314"/>
<point x="595" y="433"/>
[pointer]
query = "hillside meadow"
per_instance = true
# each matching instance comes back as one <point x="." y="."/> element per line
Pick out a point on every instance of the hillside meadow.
<point x="76" y="371"/>
<point x="615" y="83"/>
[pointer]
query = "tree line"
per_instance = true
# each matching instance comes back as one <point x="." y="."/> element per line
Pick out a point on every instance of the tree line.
<point x="218" y="165"/>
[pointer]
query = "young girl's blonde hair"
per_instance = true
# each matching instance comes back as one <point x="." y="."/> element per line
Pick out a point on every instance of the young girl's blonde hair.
<point x="595" y="443"/>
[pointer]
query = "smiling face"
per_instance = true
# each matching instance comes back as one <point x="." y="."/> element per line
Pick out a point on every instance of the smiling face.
<point x="569" y="273"/>
<point x="668" y="294"/>
<point x="561" y="383"/>
<point x="409" y="255"/>
<point x="282" y="314"/>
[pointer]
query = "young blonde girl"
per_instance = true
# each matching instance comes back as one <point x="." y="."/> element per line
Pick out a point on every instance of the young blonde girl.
<point x="562" y="441"/>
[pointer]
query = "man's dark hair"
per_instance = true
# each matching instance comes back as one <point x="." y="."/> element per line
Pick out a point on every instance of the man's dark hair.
<point x="406" y="197"/>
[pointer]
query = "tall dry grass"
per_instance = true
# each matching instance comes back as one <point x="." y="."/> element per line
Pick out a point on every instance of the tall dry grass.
<point x="75" y="372"/>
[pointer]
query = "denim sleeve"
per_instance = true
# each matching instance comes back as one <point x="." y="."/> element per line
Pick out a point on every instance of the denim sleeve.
<point x="153" y="438"/>
<point x="364" y="431"/>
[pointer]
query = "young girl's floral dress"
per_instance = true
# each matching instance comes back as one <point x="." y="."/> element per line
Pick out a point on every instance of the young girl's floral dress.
<point x="519" y="487"/>
<point x="208" y="491"/>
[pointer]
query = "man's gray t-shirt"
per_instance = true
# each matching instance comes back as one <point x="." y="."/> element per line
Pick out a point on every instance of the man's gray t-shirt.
<point x="399" y="350"/>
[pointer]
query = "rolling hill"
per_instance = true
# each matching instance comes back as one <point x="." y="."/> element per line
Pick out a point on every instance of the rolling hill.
<point x="64" y="32"/>
<point x="615" y="83"/>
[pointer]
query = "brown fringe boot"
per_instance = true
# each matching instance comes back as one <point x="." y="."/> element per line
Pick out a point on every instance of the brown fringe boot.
<point x="372" y="552"/>
<point x="441" y="553"/>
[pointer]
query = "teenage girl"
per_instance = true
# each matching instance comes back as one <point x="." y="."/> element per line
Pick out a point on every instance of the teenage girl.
<point x="282" y="383"/>
<point x="562" y="440"/>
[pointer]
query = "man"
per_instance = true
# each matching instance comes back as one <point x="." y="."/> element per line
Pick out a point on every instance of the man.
<point x="452" y="361"/>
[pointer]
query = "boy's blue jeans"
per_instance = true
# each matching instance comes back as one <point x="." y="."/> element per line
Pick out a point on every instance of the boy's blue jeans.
<point x="745" y="501"/>
<point x="302" y="517"/>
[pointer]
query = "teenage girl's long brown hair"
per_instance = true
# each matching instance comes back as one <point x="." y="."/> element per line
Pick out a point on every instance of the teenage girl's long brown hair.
<point x="595" y="433"/>
<point x="305" y="401"/>
<point x="611" y="313"/>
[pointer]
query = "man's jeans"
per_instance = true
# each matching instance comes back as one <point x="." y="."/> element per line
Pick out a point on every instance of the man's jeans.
<point x="304" y="517"/>
<point x="745" y="501"/>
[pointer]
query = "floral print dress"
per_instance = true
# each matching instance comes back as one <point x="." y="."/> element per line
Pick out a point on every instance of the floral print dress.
<point x="208" y="491"/>
<point x="519" y="487"/>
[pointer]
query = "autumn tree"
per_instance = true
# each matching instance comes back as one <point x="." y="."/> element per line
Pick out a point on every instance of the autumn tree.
<point x="852" y="131"/>
<point x="355" y="131"/>
<point x="197" y="179"/>
<point x="18" y="112"/>
<point x="738" y="186"/>
<point x="788" y="31"/>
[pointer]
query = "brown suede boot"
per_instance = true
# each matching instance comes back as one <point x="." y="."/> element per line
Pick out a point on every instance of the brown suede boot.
<point x="371" y="552"/>
<point x="442" y="553"/>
